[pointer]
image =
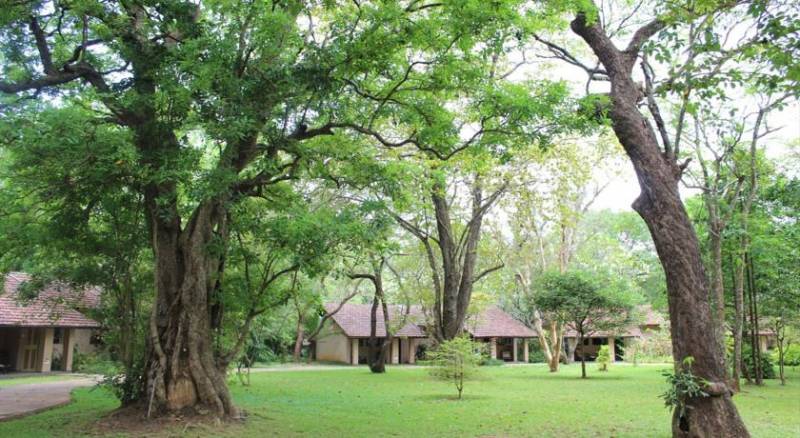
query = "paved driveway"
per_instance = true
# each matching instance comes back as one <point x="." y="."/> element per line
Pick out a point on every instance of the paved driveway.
<point x="25" y="399"/>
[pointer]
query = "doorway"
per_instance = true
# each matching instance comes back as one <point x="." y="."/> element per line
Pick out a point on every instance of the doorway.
<point x="31" y="341"/>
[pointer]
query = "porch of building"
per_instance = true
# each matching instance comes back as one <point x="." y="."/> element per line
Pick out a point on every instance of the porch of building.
<point x="36" y="349"/>
<point x="507" y="349"/>
<point x="403" y="350"/>
<point x="591" y="347"/>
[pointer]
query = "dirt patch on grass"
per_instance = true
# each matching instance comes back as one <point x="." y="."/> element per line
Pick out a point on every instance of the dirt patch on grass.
<point x="133" y="421"/>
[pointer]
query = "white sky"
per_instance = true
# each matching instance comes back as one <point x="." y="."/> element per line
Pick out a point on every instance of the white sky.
<point x="624" y="188"/>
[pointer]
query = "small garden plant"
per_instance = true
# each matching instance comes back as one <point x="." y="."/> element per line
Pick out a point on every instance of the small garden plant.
<point x="456" y="361"/>
<point x="603" y="358"/>
<point x="683" y="386"/>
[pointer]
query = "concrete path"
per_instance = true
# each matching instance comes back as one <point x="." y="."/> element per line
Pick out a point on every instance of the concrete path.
<point x="20" y="400"/>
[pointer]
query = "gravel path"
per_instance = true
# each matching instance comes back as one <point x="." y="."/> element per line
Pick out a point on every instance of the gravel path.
<point x="20" y="400"/>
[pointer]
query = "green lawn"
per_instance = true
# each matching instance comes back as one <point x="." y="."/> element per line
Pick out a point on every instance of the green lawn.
<point x="507" y="401"/>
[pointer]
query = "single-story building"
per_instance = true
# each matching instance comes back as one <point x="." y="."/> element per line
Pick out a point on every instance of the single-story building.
<point x="43" y="333"/>
<point x="651" y="321"/>
<point x="616" y="340"/>
<point x="345" y="337"/>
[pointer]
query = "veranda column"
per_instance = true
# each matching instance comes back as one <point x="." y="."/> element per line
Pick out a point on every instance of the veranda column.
<point x="525" y="350"/>
<point x="46" y="351"/>
<point x="22" y="341"/>
<point x="514" y="356"/>
<point x="611" y="350"/>
<point x="572" y="343"/>
<point x="354" y="351"/>
<point x="412" y="350"/>
<point x="493" y="348"/>
<point x="69" y="348"/>
<point x="395" y="351"/>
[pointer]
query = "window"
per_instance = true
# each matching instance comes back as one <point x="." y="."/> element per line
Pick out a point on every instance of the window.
<point x="58" y="334"/>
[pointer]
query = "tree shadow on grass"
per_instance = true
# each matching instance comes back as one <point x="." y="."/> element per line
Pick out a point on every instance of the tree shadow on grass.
<point x="562" y="376"/>
<point x="452" y="398"/>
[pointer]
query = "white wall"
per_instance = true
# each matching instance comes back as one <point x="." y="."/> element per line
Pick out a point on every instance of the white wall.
<point x="332" y="344"/>
<point x="82" y="342"/>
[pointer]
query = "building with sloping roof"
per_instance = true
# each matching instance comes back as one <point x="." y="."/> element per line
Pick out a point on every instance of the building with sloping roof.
<point x="42" y="333"/>
<point x="345" y="337"/>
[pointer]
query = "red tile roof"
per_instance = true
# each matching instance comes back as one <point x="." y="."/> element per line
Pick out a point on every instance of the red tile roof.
<point x="54" y="306"/>
<point x="354" y="320"/>
<point x="649" y="319"/>
<point x="495" y="323"/>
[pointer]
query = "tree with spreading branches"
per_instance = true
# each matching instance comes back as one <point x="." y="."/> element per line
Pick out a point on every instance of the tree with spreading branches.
<point x="220" y="102"/>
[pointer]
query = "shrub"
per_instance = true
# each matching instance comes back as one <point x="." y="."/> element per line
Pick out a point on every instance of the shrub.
<point x="535" y="353"/>
<point x="654" y="347"/>
<point x="127" y="387"/>
<point x="94" y="363"/>
<point x="791" y="357"/>
<point x="603" y="358"/>
<point x="748" y="369"/>
<point x="491" y="362"/>
<point x="456" y="361"/>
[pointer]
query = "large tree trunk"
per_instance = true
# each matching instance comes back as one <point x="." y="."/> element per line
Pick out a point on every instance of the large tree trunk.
<point x="182" y="369"/>
<point x="456" y="282"/>
<point x="459" y="257"/>
<point x="691" y="324"/>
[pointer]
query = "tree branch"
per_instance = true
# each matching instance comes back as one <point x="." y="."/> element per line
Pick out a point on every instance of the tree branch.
<point x="487" y="272"/>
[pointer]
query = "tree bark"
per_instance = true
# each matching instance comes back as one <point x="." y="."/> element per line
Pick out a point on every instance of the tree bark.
<point x="780" y="337"/>
<point x="583" y="355"/>
<point x="738" y="300"/>
<point x="556" y="340"/>
<point x="182" y="370"/>
<point x="754" y="327"/>
<point x="298" y="343"/>
<point x="458" y="258"/>
<point x="691" y="324"/>
<point x="551" y="347"/>
<point x="377" y="347"/>
<point x="715" y="243"/>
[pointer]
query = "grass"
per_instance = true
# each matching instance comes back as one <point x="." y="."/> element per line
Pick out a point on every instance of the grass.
<point x="11" y="381"/>
<point x="506" y="401"/>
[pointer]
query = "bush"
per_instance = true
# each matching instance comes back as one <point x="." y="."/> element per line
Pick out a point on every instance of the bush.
<point x="654" y="347"/>
<point x="456" y="361"/>
<point x="94" y="363"/>
<point x="791" y="357"/>
<point x="603" y="358"/>
<point x="491" y="362"/>
<point x="748" y="370"/>
<point x="535" y="353"/>
<point x="127" y="387"/>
